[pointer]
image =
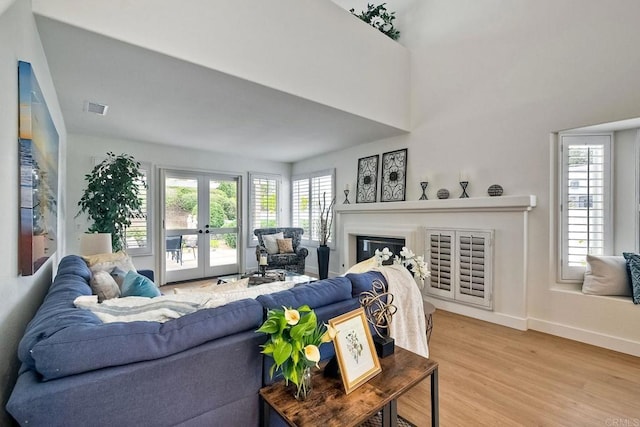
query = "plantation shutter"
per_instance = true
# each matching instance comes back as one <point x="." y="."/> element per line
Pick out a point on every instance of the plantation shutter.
<point x="300" y="205"/>
<point x="138" y="234"/>
<point x="322" y="192"/>
<point x="265" y="203"/>
<point x="461" y="263"/>
<point x="586" y="190"/>
<point x="473" y="271"/>
<point x="440" y="249"/>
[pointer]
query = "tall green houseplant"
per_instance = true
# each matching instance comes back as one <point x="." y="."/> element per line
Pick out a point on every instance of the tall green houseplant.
<point x="111" y="198"/>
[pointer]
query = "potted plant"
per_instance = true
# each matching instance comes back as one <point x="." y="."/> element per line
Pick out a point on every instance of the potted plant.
<point x="112" y="197"/>
<point x="324" y="225"/>
<point x="294" y="340"/>
<point x="378" y="17"/>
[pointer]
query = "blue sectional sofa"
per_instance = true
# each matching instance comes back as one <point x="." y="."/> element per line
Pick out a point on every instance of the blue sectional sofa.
<point x="202" y="369"/>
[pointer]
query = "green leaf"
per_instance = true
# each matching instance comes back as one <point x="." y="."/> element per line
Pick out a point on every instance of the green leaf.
<point x="282" y="352"/>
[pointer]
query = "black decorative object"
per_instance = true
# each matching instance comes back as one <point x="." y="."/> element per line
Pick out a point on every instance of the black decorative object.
<point x="424" y="185"/>
<point x="323" y="262"/>
<point x="443" y="193"/>
<point x="367" y="185"/>
<point x="495" y="190"/>
<point x="394" y="176"/>
<point x="464" y="185"/>
<point x="379" y="310"/>
<point x="346" y="198"/>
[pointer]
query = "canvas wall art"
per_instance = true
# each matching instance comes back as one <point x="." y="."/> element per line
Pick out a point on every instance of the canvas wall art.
<point x="39" y="140"/>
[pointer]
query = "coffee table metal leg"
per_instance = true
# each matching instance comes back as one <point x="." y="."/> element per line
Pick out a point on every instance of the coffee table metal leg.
<point x="435" y="412"/>
<point x="390" y="414"/>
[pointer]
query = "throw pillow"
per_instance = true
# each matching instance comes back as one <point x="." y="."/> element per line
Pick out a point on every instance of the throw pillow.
<point x="633" y="263"/>
<point x="107" y="262"/>
<point x="606" y="275"/>
<point x="136" y="285"/>
<point x="285" y="246"/>
<point x="271" y="242"/>
<point x="103" y="285"/>
<point x="118" y="275"/>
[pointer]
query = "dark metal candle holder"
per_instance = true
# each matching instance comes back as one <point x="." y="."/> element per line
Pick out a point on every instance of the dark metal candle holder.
<point x="464" y="185"/>
<point x="346" y="198"/>
<point x="424" y="185"/>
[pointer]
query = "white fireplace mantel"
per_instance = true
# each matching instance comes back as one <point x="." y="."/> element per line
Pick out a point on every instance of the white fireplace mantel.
<point x="477" y="204"/>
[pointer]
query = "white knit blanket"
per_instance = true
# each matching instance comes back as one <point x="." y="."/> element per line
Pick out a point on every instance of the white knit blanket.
<point x="408" y="327"/>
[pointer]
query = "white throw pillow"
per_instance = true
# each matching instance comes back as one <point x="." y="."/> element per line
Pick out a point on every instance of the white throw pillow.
<point x="104" y="286"/>
<point x="107" y="262"/>
<point x="271" y="242"/>
<point x="606" y="275"/>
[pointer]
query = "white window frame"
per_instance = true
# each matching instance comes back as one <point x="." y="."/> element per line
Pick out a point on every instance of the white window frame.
<point x="307" y="237"/>
<point x="574" y="273"/>
<point x="147" y="169"/>
<point x="252" y="240"/>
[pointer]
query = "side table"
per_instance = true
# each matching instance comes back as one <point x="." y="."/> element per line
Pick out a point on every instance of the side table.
<point x="329" y="406"/>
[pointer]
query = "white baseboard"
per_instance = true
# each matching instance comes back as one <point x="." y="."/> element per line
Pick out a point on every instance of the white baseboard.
<point x="476" y="313"/>
<point x="588" y="337"/>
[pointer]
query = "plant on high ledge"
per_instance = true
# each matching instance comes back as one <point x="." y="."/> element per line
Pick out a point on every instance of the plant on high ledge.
<point x="294" y="338"/>
<point x="378" y="17"/>
<point x="112" y="196"/>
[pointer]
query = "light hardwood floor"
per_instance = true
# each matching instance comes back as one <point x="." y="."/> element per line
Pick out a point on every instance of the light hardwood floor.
<point x="491" y="375"/>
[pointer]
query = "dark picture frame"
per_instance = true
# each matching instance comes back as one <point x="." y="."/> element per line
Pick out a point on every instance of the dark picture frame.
<point x="394" y="176"/>
<point x="355" y="349"/>
<point x="39" y="140"/>
<point x="367" y="183"/>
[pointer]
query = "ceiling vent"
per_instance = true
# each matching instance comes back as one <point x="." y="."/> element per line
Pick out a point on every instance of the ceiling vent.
<point x="94" y="107"/>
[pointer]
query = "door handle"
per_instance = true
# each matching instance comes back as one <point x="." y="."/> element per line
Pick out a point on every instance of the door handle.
<point x="207" y="231"/>
<point x="200" y="231"/>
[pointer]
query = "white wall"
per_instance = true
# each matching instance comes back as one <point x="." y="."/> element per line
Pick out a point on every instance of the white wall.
<point x="624" y="182"/>
<point x="82" y="150"/>
<point x="309" y="48"/>
<point x="19" y="296"/>
<point x="490" y="81"/>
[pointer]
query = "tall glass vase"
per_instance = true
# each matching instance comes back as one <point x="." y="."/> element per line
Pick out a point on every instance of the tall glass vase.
<point x="303" y="389"/>
<point x="323" y="261"/>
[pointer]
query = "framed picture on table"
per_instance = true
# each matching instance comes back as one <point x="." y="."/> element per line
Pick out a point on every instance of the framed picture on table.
<point x="355" y="350"/>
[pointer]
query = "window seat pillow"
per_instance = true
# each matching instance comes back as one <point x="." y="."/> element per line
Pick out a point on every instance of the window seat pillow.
<point x="606" y="275"/>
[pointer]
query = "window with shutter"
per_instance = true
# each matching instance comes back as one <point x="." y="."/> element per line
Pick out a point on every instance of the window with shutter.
<point x="585" y="201"/>
<point x="307" y="193"/>
<point x="460" y="262"/>
<point x="263" y="203"/>
<point x="138" y="234"/>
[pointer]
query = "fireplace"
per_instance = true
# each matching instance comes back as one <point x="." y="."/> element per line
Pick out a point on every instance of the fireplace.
<point x="366" y="246"/>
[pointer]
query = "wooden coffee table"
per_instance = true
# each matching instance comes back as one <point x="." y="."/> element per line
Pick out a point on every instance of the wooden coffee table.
<point x="329" y="406"/>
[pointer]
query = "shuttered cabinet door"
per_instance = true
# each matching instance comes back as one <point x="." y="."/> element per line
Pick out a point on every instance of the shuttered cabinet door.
<point x="473" y="268"/>
<point x="440" y="254"/>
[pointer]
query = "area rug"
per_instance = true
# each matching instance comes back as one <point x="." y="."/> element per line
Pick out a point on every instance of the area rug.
<point x="376" y="421"/>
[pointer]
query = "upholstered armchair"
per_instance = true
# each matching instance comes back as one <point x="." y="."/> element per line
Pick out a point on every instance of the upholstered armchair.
<point x="282" y="258"/>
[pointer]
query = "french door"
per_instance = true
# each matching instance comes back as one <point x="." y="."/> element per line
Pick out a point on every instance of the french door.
<point x="200" y="225"/>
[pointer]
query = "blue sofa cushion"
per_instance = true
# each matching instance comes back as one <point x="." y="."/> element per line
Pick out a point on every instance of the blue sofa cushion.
<point x="63" y="340"/>
<point x="362" y="281"/>
<point x="314" y="294"/>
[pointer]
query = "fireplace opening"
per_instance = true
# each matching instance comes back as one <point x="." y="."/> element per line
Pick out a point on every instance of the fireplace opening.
<point x="367" y="245"/>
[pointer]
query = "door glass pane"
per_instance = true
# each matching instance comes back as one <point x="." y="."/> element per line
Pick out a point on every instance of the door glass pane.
<point x="223" y="204"/>
<point x="223" y="249"/>
<point x="181" y="204"/>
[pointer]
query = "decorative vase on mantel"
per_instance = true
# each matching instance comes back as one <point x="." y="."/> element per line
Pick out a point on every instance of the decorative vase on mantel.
<point x="323" y="261"/>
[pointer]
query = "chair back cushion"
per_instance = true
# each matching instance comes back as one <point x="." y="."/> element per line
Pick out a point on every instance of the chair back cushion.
<point x="293" y="233"/>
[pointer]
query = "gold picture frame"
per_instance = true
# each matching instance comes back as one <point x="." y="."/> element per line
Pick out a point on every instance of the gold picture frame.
<point x="355" y="350"/>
